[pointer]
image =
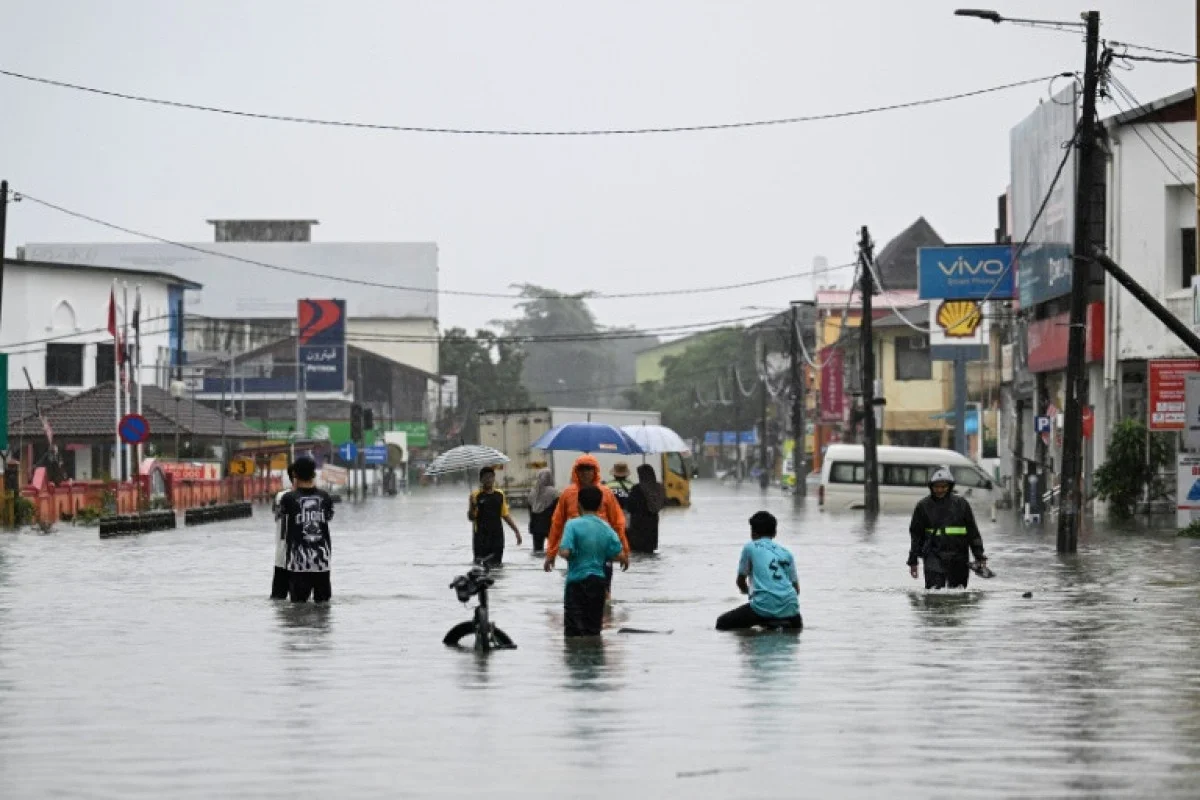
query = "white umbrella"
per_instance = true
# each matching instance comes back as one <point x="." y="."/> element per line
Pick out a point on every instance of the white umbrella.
<point x="466" y="457"/>
<point x="656" y="438"/>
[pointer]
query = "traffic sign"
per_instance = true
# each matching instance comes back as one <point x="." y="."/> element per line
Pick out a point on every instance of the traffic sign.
<point x="348" y="451"/>
<point x="376" y="454"/>
<point x="241" y="466"/>
<point x="134" y="429"/>
<point x="1042" y="425"/>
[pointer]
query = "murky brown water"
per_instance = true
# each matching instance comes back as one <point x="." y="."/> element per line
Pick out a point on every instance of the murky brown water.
<point x="156" y="667"/>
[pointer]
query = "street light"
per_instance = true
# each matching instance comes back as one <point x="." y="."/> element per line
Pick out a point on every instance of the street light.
<point x="1070" y="499"/>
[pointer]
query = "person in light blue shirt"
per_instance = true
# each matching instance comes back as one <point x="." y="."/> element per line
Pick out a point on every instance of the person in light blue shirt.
<point x="766" y="572"/>
<point x="588" y="544"/>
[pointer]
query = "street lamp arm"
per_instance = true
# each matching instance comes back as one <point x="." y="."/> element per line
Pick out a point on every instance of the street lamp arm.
<point x="996" y="18"/>
<point x="979" y="13"/>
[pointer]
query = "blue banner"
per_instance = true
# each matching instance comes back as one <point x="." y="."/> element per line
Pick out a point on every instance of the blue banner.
<point x="729" y="438"/>
<point x="1044" y="273"/>
<point x="969" y="272"/>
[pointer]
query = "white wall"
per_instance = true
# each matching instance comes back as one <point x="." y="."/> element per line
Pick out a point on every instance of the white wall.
<point x="71" y="305"/>
<point x="420" y="354"/>
<point x="1149" y="206"/>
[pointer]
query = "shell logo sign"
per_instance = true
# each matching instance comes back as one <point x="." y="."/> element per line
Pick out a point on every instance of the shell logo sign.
<point x="959" y="319"/>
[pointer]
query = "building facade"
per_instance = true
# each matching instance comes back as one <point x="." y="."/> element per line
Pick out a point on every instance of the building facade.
<point x="54" y="324"/>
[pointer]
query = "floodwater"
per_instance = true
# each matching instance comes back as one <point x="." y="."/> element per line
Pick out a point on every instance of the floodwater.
<point x="156" y="666"/>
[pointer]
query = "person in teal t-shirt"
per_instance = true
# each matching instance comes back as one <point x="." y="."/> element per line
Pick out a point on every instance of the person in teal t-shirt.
<point x="588" y="543"/>
<point x="766" y="572"/>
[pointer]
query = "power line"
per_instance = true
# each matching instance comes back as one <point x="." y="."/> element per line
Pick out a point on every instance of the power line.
<point x="1158" y="156"/>
<point x="1186" y="155"/>
<point x="1159" y="50"/>
<point x="512" y="132"/>
<point x="423" y="289"/>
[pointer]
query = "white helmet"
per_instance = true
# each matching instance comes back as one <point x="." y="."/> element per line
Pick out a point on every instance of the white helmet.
<point x="941" y="475"/>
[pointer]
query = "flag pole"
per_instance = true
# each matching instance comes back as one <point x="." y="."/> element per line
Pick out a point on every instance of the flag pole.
<point x="137" y="350"/>
<point x="112" y="328"/>
<point x="125" y="374"/>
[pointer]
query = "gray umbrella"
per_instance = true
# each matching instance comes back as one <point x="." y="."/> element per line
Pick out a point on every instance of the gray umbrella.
<point x="466" y="457"/>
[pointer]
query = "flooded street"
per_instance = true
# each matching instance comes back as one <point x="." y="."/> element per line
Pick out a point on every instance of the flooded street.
<point x="156" y="666"/>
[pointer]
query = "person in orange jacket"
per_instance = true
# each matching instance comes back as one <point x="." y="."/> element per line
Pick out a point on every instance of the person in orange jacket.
<point x="586" y="473"/>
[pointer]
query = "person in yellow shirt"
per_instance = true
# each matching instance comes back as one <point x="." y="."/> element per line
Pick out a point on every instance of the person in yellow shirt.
<point x="489" y="511"/>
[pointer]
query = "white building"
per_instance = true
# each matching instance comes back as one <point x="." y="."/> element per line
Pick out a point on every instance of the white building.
<point x="54" y="322"/>
<point x="251" y="288"/>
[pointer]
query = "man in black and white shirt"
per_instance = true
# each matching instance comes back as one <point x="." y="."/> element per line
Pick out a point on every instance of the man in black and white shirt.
<point x="282" y="580"/>
<point x="305" y="513"/>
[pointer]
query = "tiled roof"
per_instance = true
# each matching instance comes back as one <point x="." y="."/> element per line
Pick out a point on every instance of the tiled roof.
<point x="897" y="261"/>
<point x="21" y="401"/>
<point x="92" y="415"/>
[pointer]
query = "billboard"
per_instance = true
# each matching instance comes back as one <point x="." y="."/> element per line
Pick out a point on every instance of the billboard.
<point x="958" y="329"/>
<point x="1048" y="339"/>
<point x="1168" y="392"/>
<point x="965" y="272"/>
<point x="321" y="344"/>
<point x="833" y="384"/>
<point x="1037" y="147"/>
<point x="243" y="280"/>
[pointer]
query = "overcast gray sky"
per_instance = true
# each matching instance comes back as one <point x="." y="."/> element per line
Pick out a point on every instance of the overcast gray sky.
<point x="606" y="213"/>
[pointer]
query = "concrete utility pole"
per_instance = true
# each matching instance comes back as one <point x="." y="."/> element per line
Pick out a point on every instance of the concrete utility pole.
<point x="737" y="424"/>
<point x="799" y="462"/>
<point x="764" y="478"/>
<point x="3" y="237"/>
<point x="1070" y="509"/>
<point x="870" y="461"/>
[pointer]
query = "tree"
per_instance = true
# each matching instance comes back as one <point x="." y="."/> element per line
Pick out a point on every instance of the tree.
<point x="696" y="393"/>
<point x="1125" y="475"/>
<point x="489" y="377"/>
<point x="577" y="370"/>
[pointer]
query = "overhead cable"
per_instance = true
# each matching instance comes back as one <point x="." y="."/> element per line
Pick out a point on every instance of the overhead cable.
<point x="517" y="132"/>
<point x="424" y="289"/>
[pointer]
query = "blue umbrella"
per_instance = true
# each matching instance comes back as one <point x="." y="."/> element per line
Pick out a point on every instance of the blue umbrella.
<point x="588" y="437"/>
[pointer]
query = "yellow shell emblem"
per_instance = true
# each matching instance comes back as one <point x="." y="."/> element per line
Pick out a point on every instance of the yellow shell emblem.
<point x="959" y="318"/>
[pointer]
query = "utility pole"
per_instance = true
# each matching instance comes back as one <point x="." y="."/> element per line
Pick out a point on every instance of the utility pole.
<point x="737" y="424"/>
<point x="799" y="436"/>
<point x="764" y="478"/>
<point x="871" y="479"/>
<point x="1070" y="509"/>
<point x="3" y="239"/>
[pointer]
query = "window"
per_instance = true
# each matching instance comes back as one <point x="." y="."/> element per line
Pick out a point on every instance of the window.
<point x="905" y="475"/>
<point x="968" y="477"/>
<point x="105" y="359"/>
<point x="912" y="359"/>
<point x="1187" y="252"/>
<point x="675" y="464"/>
<point x="64" y="365"/>
<point x="846" y="472"/>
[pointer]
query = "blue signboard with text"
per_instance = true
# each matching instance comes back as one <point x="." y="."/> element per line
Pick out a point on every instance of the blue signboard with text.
<point x="965" y="272"/>
<point x="375" y="454"/>
<point x="728" y="438"/>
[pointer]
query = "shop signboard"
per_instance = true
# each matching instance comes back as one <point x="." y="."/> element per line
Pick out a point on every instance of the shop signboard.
<point x="1168" y="392"/>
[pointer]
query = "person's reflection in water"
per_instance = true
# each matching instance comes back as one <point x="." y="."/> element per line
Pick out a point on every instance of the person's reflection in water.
<point x="586" y="663"/>
<point x="305" y="628"/>
<point x="939" y="609"/>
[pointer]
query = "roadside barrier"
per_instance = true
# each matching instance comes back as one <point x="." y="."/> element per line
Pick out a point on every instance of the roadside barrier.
<point x="217" y="513"/>
<point x="129" y="524"/>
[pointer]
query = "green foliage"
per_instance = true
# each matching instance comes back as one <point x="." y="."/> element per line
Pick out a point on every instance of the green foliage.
<point x="579" y="371"/>
<point x="696" y="381"/>
<point x="23" y="511"/>
<point x="89" y="515"/>
<point x="1122" y="479"/>
<point x="489" y="376"/>
<point x="1192" y="531"/>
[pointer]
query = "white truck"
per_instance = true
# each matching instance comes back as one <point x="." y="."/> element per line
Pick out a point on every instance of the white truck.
<point x="513" y="432"/>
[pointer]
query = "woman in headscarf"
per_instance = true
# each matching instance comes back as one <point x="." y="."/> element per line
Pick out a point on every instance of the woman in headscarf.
<point x="645" y="501"/>
<point x="542" y="501"/>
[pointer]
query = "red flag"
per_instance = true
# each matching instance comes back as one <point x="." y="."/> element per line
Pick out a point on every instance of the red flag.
<point x="112" y="325"/>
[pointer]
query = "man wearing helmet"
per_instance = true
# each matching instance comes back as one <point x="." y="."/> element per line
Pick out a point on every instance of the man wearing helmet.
<point x="944" y="534"/>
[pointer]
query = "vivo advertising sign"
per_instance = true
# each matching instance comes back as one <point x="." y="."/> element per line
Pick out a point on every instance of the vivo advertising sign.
<point x="979" y="272"/>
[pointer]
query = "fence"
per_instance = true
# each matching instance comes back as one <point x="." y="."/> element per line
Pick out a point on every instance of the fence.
<point x="53" y="502"/>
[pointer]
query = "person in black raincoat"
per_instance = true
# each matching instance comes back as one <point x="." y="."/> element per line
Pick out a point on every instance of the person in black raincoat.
<point x="944" y="534"/>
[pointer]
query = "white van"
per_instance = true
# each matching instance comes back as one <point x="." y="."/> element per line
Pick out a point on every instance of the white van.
<point x="903" y="477"/>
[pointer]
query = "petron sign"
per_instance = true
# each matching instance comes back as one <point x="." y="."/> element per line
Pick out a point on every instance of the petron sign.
<point x="965" y="272"/>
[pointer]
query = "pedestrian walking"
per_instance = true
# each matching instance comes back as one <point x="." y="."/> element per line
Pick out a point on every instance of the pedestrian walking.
<point x="282" y="578"/>
<point x="646" y="499"/>
<point x="944" y="535"/>
<point x="766" y="572"/>
<point x="620" y="485"/>
<point x="586" y="473"/>
<point x="306" y="512"/>
<point x="588" y="545"/>
<point x="542" y="502"/>
<point x="488" y="512"/>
